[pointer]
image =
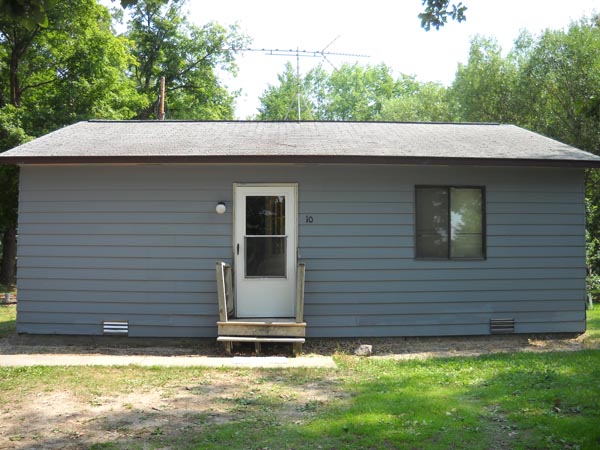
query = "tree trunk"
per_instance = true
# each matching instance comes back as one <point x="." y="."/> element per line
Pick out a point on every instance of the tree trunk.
<point x="8" y="266"/>
<point x="15" y="94"/>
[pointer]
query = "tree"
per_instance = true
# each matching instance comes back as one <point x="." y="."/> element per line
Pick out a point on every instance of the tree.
<point x="35" y="13"/>
<point x="71" y="68"/>
<point x="281" y="102"/>
<point x="437" y="12"/>
<point x="560" y="84"/>
<point x="484" y="88"/>
<point x="165" y="44"/>
<point x="11" y="134"/>
<point x="354" y="92"/>
<point x="549" y="84"/>
<point x="414" y="101"/>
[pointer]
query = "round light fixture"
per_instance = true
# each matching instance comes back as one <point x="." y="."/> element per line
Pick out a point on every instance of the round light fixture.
<point x="221" y="208"/>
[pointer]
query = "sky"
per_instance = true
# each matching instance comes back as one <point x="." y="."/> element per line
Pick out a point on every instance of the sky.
<point x="388" y="31"/>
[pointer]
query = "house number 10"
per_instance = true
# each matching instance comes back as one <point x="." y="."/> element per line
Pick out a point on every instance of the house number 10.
<point x="309" y="219"/>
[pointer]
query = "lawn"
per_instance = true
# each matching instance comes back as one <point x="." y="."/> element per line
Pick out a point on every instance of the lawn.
<point x="501" y="401"/>
<point x="593" y="327"/>
<point x="8" y="317"/>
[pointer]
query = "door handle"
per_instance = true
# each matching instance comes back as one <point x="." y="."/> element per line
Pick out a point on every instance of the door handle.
<point x="238" y="249"/>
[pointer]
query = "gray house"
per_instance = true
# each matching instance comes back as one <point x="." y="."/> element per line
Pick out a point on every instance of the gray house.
<point x="404" y="229"/>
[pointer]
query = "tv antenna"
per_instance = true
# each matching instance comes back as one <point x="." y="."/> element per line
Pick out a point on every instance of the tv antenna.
<point x="304" y="54"/>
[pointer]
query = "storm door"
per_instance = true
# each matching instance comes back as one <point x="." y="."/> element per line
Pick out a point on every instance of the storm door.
<point x="265" y="250"/>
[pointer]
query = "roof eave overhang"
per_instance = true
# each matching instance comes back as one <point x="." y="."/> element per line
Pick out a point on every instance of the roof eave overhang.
<point x="297" y="159"/>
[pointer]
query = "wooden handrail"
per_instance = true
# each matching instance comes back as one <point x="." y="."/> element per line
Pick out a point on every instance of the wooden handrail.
<point x="225" y="291"/>
<point x="222" y="290"/>
<point x="300" y="275"/>
<point x="229" y="303"/>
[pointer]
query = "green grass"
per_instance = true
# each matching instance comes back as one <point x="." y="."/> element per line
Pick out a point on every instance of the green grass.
<point x="8" y="320"/>
<point x="593" y="327"/>
<point x="501" y="401"/>
<point x="516" y="401"/>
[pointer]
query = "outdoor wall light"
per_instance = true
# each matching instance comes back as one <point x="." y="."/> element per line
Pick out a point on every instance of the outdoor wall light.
<point x="221" y="208"/>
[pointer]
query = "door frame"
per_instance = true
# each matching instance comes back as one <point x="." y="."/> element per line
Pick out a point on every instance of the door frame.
<point x="291" y="273"/>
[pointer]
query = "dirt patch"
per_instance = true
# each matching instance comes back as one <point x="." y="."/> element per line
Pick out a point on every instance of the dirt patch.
<point x="65" y="420"/>
<point x="401" y="347"/>
<point x="424" y="347"/>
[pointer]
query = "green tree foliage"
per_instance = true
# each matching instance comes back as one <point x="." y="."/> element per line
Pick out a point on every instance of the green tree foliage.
<point x="71" y="68"/>
<point x="165" y="44"/>
<point x="549" y="84"/>
<point x="280" y="102"/>
<point x="60" y="62"/>
<point x="357" y="92"/>
<point x="437" y="12"/>
<point x="484" y="88"/>
<point x="354" y="92"/>
<point x="31" y="13"/>
<point x="561" y="78"/>
<point x="415" y="101"/>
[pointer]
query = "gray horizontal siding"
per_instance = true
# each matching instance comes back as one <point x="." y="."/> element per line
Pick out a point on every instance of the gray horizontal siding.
<point x="111" y="296"/>
<point x="364" y="264"/>
<point x="314" y="275"/>
<point x="426" y="297"/>
<point x="139" y="243"/>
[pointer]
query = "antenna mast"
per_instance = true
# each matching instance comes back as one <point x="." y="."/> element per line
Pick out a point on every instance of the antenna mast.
<point x="161" y="103"/>
<point x="299" y="87"/>
<point x="306" y="54"/>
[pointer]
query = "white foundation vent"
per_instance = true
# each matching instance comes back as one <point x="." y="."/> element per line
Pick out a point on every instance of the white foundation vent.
<point x="120" y="328"/>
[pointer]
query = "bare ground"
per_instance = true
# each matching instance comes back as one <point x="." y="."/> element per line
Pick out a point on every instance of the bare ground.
<point x="401" y="348"/>
<point x="61" y="419"/>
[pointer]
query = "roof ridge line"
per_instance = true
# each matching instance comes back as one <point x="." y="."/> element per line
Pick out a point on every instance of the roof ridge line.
<point x="288" y="121"/>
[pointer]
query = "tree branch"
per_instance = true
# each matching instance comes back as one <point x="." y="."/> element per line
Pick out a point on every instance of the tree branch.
<point x="36" y="85"/>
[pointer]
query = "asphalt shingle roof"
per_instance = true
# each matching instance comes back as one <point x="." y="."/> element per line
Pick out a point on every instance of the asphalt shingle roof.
<point x="175" y="141"/>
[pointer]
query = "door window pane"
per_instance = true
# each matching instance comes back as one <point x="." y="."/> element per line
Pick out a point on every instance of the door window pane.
<point x="265" y="256"/>
<point x="432" y="222"/>
<point x="466" y="221"/>
<point x="265" y="215"/>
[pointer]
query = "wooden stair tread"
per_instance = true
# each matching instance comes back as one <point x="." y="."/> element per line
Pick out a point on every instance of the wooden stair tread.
<point x="262" y="323"/>
<point x="260" y="339"/>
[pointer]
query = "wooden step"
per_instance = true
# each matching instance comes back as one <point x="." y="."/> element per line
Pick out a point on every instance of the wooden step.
<point x="264" y="328"/>
<point x="290" y="340"/>
<point x="263" y="322"/>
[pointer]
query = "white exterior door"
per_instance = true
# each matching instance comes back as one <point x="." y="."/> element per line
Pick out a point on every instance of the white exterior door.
<point x="265" y="250"/>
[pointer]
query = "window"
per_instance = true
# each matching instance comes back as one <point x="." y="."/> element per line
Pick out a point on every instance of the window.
<point x="450" y="222"/>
